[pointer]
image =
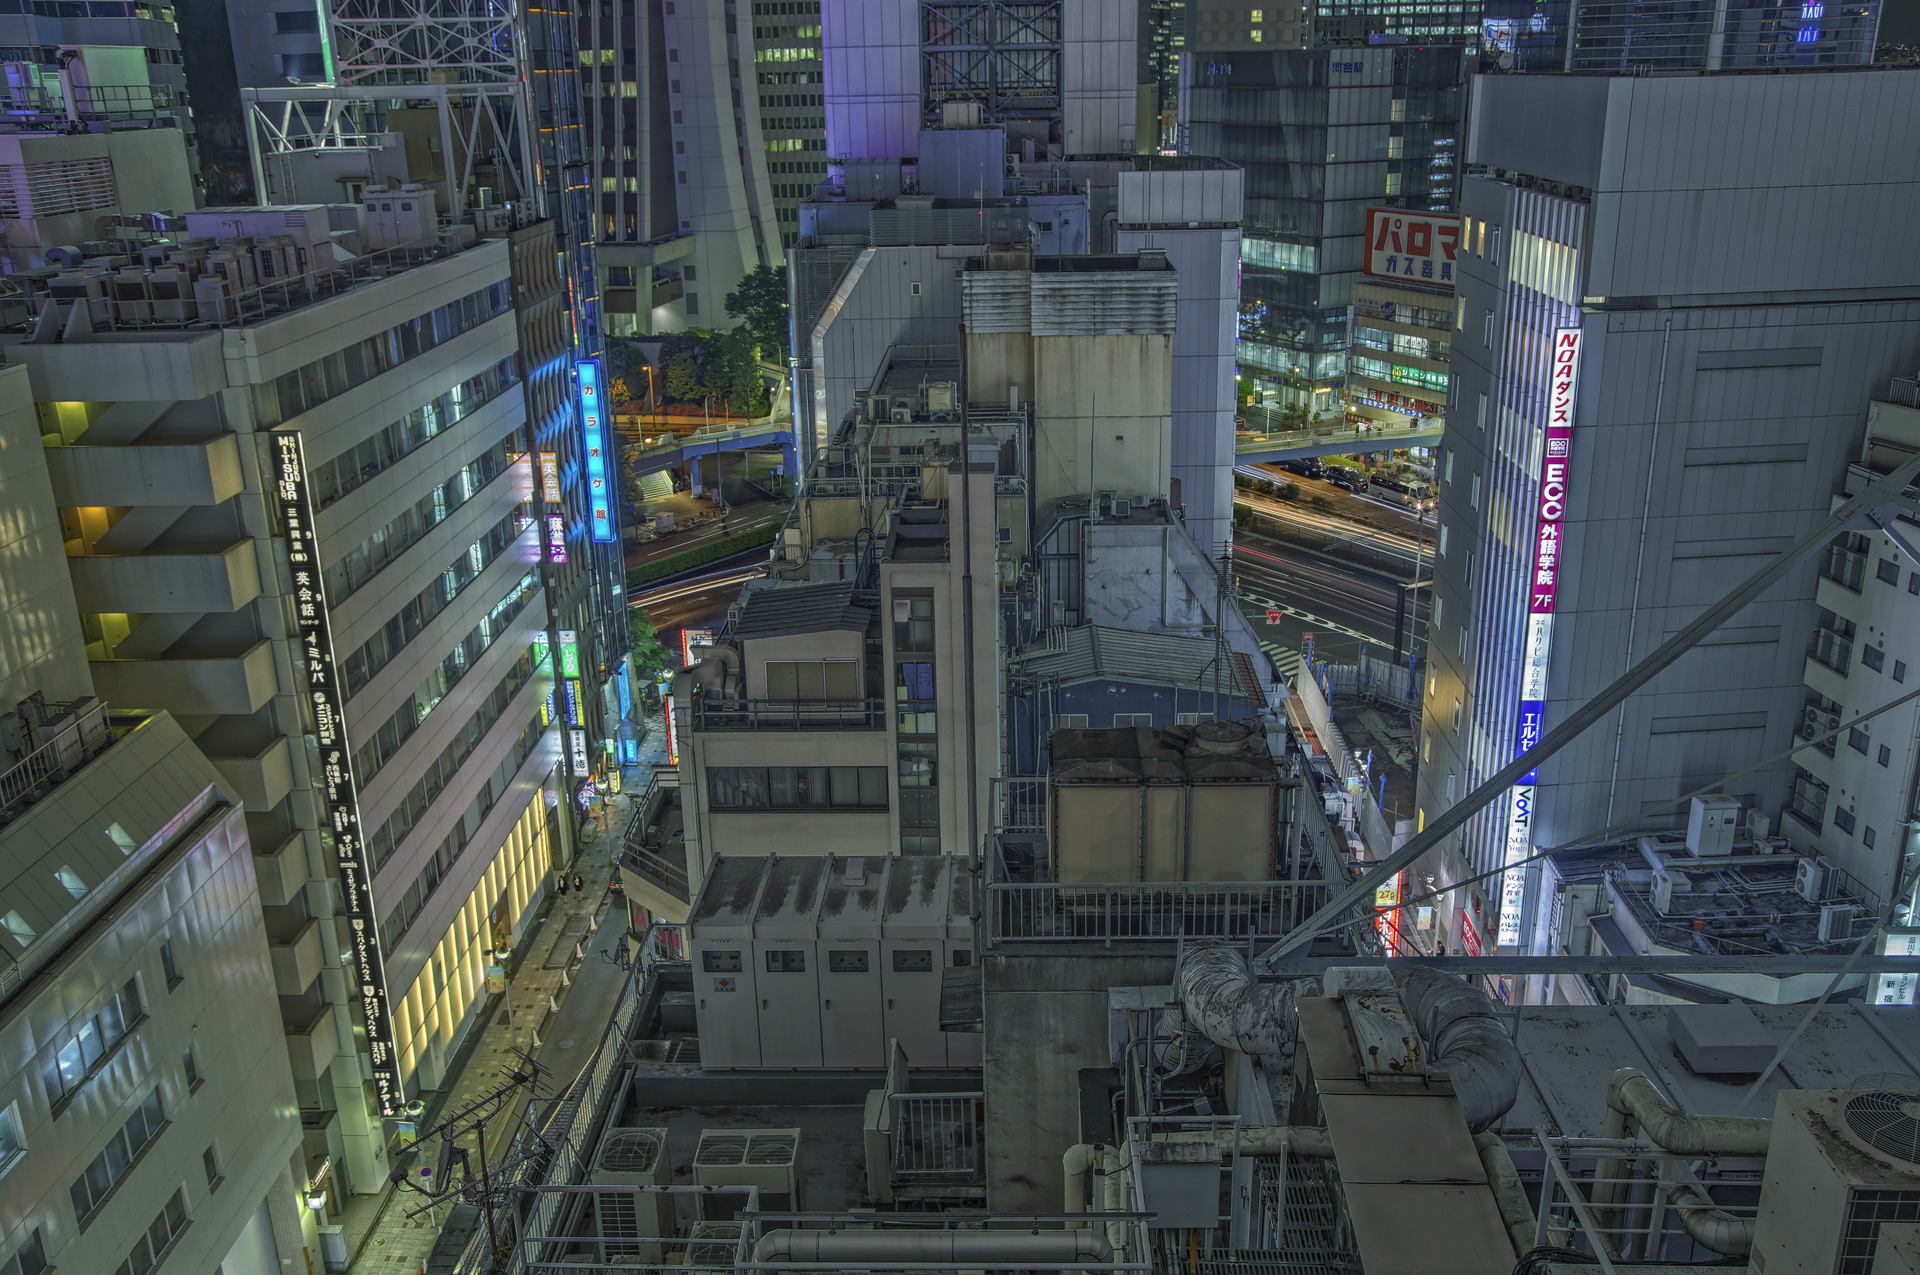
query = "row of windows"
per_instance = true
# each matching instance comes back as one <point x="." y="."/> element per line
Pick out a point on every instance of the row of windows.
<point x="787" y="9"/>
<point x="456" y="841"/>
<point x="91" y="1187"/>
<point x="797" y="787"/>
<point x="334" y="479"/>
<point x="353" y="569"/>
<point x="772" y="101"/>
<point x="285" y="397"/>
<point x="419" y="798"/>
<point x="1418" y="347"/>
<point x="151" y="1247"/>
<point x="794" y="123"/>
<point x="374" y="654"/>
<point x="771" y="78"/>
<point x="69" y="1068"/>
<point x="786" y="145"/>
<point x="424" y="698"/>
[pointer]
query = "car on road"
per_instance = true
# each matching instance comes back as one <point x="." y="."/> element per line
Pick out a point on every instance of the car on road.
<point x="1307" y="468"/>
<point x="1346" y="479"/>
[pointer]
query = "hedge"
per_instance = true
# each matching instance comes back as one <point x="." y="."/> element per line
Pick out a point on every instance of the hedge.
<point x="674" y="564"/>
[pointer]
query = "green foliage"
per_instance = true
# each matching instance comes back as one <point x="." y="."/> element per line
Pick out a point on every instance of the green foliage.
<point x="1289" y="491"/>
<point x="1321" y="504"/>
<point x="674" y="564"/>
<point x="1242" y="515"/>
<point x="760" y="303"/>
<point x="626" y="373"/>
<point x="722" y="364"/>
<point x="683" y="379"/>
<point x="649" y="656"/>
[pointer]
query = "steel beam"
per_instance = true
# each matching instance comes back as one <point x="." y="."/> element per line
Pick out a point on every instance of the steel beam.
<point x="1672" y="966"/>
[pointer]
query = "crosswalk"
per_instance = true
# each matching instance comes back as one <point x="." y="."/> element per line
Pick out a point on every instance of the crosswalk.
<point x="1286" y="660"/>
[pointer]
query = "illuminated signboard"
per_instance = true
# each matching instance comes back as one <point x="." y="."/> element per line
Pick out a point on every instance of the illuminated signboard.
<point x="572" y="692"/>
<point x="1897" y="987"/>
<point x="556" y="538"/>
<point x="577" y="746"/>
<point x="1413" y="247"/>
<point x="550" y="478"/>
<point x="339" y="795"/>
<point x="599" y="501"/>
<point x="569" y="654"/>
<point x="1543" y="583"/>
<point x="690" y="638"/>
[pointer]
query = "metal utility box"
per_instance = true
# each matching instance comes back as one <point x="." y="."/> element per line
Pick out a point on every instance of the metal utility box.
<point x="1171" y="803"/>
<point x="1711" y="824"/>
<point x="766" y="1158"/>
<point x="786" y="964"/>
<point x="720" y="947"/>
<point x="1839" y="1163"/>
<point x="1181" y="1183"/>
<point x="632" y="1224"/>
<point x="1721" y="1040"/>
<point x="805" y="962"/>
<point x="851" y="1034"/>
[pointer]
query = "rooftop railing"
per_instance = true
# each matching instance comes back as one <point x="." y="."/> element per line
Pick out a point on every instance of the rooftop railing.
<point x="71" y="736"/>
<point x="767" y="714"/>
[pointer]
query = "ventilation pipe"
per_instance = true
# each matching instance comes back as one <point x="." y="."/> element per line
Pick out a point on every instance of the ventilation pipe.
<point x="912" y="1248"/>
<point x="1635" y="1106"/>
<point x="719" y="669"/>
<point x="1106" y="1162"/>
<point x="1516" y="1211"/>
<point x="1455" y="1019"/>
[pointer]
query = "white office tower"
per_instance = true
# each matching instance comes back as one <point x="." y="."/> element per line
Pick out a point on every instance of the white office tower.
<point x="147" y="1109"/>
<point x="1666" y="347"/>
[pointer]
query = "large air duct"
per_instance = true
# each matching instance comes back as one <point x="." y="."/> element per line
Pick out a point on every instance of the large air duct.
<point x="1463" y="1036"/>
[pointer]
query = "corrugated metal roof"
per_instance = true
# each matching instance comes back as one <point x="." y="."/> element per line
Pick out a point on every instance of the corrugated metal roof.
<point x="817" y="608"/>
<point x="1093" y="651"/>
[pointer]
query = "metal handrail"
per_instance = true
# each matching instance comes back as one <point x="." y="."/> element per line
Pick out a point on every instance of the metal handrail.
<point x="72" y="746"/>
<point x="766" y="714"/>
<point x="1152" y="912"/>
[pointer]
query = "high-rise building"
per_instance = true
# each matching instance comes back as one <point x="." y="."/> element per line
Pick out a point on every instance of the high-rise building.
<point x="147" y="1105"/>
<point x="1656" y="387"/>
<point x="1704" y="35"/>
<point x="1322" y="134"/>
<point x="789" y="80"/>
<point x="301" y="525"/>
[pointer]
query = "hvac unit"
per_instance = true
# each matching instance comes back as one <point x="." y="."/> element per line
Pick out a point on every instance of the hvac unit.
<point x="1840" y="1163"/>
<point x="1810" y="879"/>
<point x="1710" y="825"/>
<point x="903" y="416"/>
<point x="632" y="1224"/>
<point x="766" y="1158"/>
<point x="1662" y="893"/>
<point x="1836" y="921"/>
<point x="711" y="1245"/>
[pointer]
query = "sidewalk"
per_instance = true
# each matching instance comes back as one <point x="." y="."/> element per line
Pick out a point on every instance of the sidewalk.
<point x="381" y="1237"/>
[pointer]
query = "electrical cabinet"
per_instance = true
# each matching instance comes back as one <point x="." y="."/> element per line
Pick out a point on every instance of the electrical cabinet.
<point x="720" y="947"/>
<point x="851" y="1034"/>
<point x="786" y="964"/>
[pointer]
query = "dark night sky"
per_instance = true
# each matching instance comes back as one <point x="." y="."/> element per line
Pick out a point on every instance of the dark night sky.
<point x="1900" y="22"/>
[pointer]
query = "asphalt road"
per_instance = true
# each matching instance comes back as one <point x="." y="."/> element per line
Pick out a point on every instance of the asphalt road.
<point x="701" y="601"/>
<point x="1341" y="604"/>
<point x="743" y="518"/>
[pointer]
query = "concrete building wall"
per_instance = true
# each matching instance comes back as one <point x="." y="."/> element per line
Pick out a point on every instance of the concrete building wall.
<point x="41" y="647"/>
<point x="1101" y="419"/>
<point x="871" y="52"/>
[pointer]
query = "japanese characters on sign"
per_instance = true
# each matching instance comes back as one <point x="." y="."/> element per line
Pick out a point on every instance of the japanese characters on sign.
<point x="550" y="477"/>
<point x="556" y="538"/>
<point x="338" y="794"/>
<point x="1543" y="583"/>
<point x="592" y="422"/>
<point x="577" y="744"/>
<point x="1416" y="247"/>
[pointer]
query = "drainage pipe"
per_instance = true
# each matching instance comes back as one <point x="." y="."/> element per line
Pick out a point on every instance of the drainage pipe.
<point x="1508" y="1195"/>
<point x="1711" y="1226"/>
<point x="1635" y="1106"/>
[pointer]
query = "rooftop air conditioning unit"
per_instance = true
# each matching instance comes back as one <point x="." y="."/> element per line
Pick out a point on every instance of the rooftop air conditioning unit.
<point x="766" y="1158"/>
<point x="632" y="1223"/>
<point x="1836" y="921"/>
<point x="711" y="1245"/>
<point x="1810" y="879"/>
<point x="1840" y="1162"/>
<point x="903" y="416"/>
<point x="1662" y="893"/>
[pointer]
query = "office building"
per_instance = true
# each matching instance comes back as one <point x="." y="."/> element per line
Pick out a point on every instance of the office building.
<point x="1636" y="36"/>
<point x="1851" y="800"/>
<point x="147" y="1107"/>
<point x="1322" y="133"/>
<point x="1642" y="417"/>
<point x="790" y="81"/>
<point x="301" y="527"/>
<point x="1400" y="329"/>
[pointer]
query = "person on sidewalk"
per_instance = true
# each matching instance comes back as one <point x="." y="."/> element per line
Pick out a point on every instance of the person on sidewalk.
<point x="579" y="884"/>
<point x="563" y="885"/>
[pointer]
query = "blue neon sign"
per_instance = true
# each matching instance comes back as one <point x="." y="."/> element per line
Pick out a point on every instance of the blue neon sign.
<point x="599" y="505"/>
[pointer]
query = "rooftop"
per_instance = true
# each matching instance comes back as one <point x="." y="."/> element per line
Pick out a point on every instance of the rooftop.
<point x="817" y="608"/>
<point x="1092" y="651"/>
<point x="1210" y="751"/>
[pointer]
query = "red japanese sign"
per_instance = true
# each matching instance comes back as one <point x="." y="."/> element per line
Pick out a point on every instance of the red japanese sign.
<point x="1414" y="247"/>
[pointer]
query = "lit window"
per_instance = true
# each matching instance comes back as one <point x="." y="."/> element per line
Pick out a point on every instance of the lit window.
<point x="17" y="926"/>
<point x="70" y="879"/>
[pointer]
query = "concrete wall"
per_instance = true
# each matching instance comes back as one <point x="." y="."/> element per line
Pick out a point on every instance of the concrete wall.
<point x="1046" y="1018"/>
<point x="41" y="646"/>
<point x="1101" y="415"/>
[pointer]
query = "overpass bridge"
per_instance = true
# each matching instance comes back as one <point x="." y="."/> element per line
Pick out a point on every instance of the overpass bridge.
<point x="1262" y="447"/>
<point x="677" y="450"/>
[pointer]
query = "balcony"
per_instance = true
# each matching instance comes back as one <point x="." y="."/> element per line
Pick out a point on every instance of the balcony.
<point x="296" y="954"/>
<point x="767" y="714"/>
<point x="1843" y="566"/>
<point x="256" y="763"/>
<point x="653" y="854"/>
<point x="170" y="474"/>
<point x="70" y="736"/>
<point x="311" y="1045"/>
<point x="1820" y="676"/>
<point x="221" y="580"/>
<point x="198" y="686"/>
<point x="281" y="871"/>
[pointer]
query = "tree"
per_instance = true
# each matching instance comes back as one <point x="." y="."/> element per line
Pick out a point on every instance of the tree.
<point x="683" y="378"/>
<point x="1242" y="515"/>
<point x="1290" y="491"/>
<point x="760" y="303"/>
<point x="626" y="373"/>
<point x="650" y="658"/>
<point x="738" y="379"/>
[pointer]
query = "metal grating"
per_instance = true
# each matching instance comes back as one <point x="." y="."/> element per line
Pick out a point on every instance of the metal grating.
<point x="721" y="1149"/>
<point x="62" y="186"/>
<point x="1867" y="1211"/>
<point x="630" y="1153"/>
<point x="771" y="1148"/>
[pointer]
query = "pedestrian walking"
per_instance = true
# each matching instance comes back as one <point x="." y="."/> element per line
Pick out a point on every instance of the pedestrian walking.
<point x="579" y="884"/>
<point x="563" y="885"/>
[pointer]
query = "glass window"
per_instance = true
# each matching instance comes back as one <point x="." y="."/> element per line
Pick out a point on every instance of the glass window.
<point x="847" y="962"/>
<point x="720" y="962"/>
<point x="168" y="963"/>
<point x="29" y="1259"/>
<point x="913" y="961"/>
<point x="10" y="1145"/>
<point x="786" y="961"/>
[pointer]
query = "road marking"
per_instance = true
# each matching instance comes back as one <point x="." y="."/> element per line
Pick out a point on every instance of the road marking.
<point x="1317" y="621"/>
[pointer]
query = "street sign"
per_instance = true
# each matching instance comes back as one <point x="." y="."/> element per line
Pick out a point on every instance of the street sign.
<point x="1274" y="614"/>
<point x="1306" y="637"/>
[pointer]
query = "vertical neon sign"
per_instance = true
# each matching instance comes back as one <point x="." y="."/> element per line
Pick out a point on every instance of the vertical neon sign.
<point x="1543" y="585"/>
<point x="599" y="506"/>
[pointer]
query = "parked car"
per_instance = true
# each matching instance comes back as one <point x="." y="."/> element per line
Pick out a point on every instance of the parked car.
<point x="1346" y="480"/>
<point x="1308" y="468"/>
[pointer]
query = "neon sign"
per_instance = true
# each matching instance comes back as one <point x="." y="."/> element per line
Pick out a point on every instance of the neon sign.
<point x="1543" y="588"/>
<point x="599" y="505"/>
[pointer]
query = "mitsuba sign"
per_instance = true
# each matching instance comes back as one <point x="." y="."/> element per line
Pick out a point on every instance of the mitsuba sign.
<point x="1413" y="247"/>
<point x="339" y="797"/>
<point x="1543" y="590"/>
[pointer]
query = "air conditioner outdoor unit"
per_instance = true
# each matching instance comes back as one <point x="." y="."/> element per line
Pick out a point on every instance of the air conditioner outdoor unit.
<point x="1840" y="1162"/>
<point x="710" y="1245"/>
<point x="903" y="416"/>
<point x="1662" y="893"/>
<point x="1810" y="879"/>
<point x="766" y="1158"/>
<point x="632" y="1224"/>
<point x="1836" y="921"/>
